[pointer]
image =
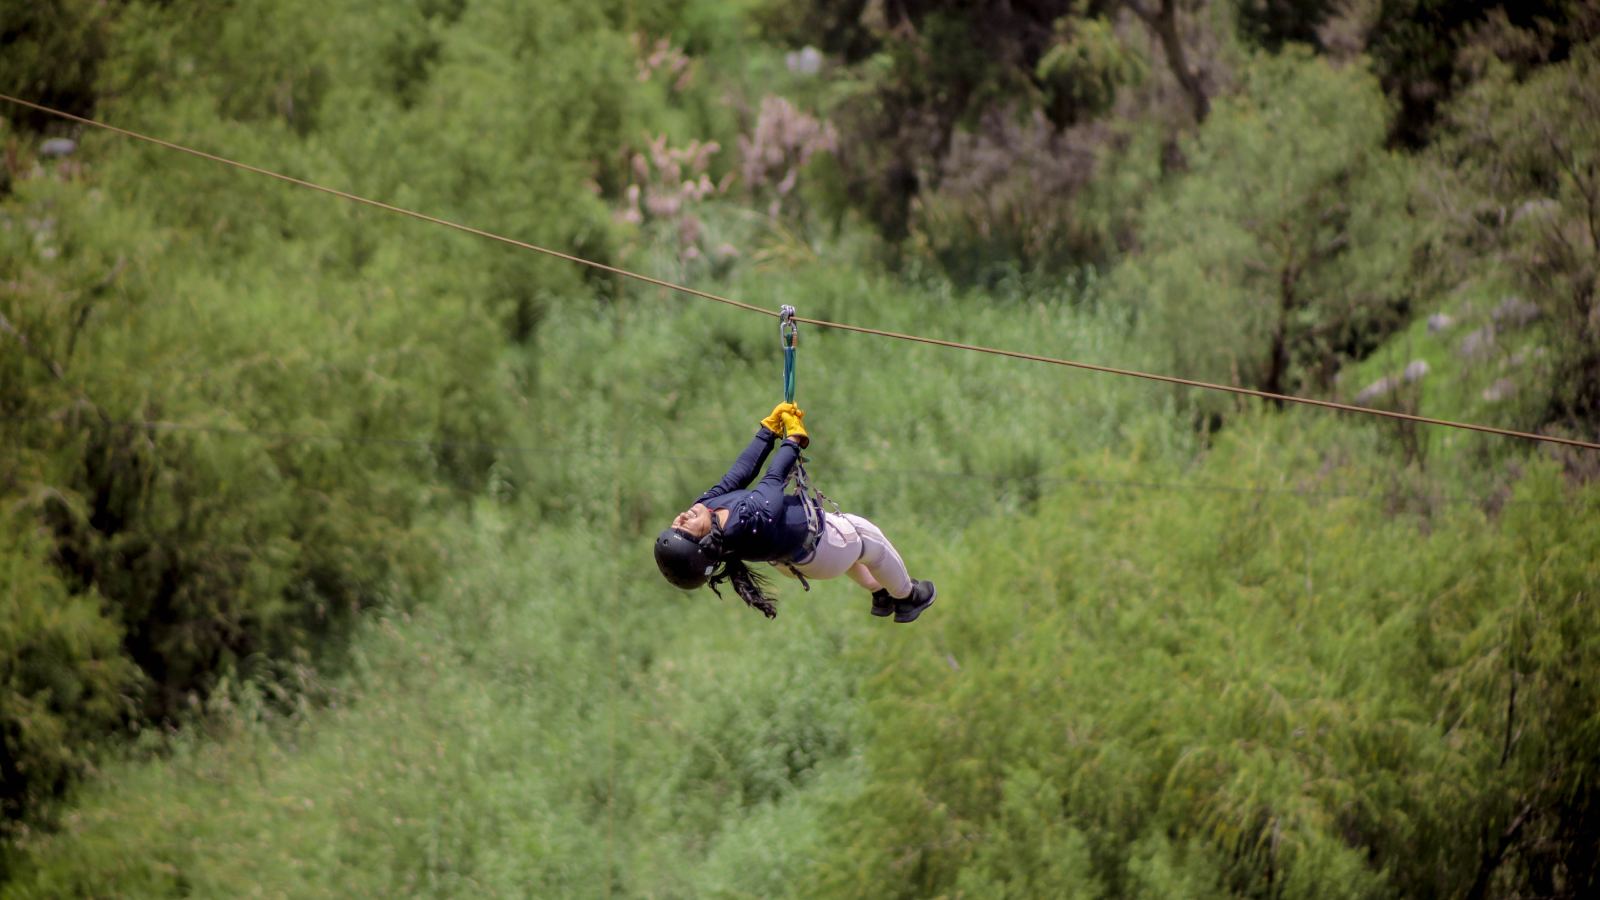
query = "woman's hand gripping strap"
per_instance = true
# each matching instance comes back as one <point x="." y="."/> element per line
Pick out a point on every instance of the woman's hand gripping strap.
<point x="774" y="421"/>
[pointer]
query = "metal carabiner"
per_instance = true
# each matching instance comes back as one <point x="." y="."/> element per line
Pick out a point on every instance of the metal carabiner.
<point x="788" y="328"/>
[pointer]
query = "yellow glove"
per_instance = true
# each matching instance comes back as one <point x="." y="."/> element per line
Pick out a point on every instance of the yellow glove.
<point x="794" y="428"/>
<point x="774" y="422"/>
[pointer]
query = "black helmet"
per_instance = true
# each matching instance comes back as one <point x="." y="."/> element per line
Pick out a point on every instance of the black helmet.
<point x="682" y="560"/>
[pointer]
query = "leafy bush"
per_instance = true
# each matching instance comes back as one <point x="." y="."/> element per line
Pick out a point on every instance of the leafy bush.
<point x="229" y="401"/>
<point x="174" y="452"/>
<point x="1519" y="192"/>
<point x="54" y="49"/>
<point x="63" y="679"/>
<point x="1251" y="694"/>
<point x="1424" y="51"/>
<point x="1282" y="254"/>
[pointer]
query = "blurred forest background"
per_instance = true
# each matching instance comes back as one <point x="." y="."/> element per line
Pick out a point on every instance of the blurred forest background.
<point x="324" y="532"/>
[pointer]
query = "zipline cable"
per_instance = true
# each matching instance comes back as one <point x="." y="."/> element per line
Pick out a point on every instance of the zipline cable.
<point x="356" y="198"/>
<point x="820" y="323"/>
<point x="156" y="425"/>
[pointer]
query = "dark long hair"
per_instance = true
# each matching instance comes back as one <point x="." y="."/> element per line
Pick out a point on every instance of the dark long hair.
<point x="752" y="587"/>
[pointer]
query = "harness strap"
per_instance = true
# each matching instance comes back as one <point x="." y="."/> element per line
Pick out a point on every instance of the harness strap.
<point x="796" y="573"/>
<point x="789" y="335"/>
<point x="811" y="498"/>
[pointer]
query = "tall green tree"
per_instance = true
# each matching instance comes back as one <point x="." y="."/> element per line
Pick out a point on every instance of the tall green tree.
<point x="1520" y="190"/>
<point x="1425" y="51"/>
<point x="1282" y="253"/>
<point x="917" y="73"/>
<point x="53" y="53"/>
<point x="230" y="404"/>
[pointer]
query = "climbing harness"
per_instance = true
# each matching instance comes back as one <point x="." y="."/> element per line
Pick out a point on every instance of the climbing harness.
<point x="812" y="500"/>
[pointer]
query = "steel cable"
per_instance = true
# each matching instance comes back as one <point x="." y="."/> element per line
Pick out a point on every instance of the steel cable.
<point x="820" y="323"/>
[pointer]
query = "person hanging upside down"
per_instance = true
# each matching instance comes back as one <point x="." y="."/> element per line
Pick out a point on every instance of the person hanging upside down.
<point x="731" y="525"/>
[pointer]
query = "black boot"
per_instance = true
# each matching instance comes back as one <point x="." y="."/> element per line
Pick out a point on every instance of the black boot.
<point x="922" y="594"/>
<point x="882" y="603"/>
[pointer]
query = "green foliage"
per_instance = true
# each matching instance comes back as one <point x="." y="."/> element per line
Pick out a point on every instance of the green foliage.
<point x="1271" y="690"/>
<point x="1081" y="72"/>
<point x="1126" y="691"/>
<point x="62" y="677"/>
<point x="1019" y="199"/>
<point x="936" y="105"/>
<point x="1281" y="255"/>
<point x="1424" y="51"/>
<point x="488" y="746"/>
<point x="361" y="507"/>
<point x="699" y="753"/>
<point x="1272" y="23"/>
<point x="166" y="432"/>
<point x="228" y="400"/>
<point x="1031" y="852"/>
<point x="1521" y="195"/>
<point x="53" y="51"/>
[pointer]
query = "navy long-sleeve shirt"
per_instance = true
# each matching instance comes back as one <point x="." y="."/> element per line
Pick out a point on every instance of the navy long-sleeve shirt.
<point x="764" y="523"/>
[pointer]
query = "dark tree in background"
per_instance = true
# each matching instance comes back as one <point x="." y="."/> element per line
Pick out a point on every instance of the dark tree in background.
<point x="52" y="53"/>
<point x="917" y="72"/>
<point x="1273" y="23"/>
<point x="1426" y="50"/>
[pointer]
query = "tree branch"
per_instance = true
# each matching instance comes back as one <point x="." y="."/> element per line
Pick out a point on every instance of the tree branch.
<point x="44" y="359"/>
<point x="1511" y="718"/>
<point x="1584" y="186"/>
<point x="27" y="345"/>
<point x="1163" y="21"/>
<point x="1491" y="861"/>
<point x="81" y="316"/>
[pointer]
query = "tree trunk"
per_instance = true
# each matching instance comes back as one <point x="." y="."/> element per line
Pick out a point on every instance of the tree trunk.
<point x="1277" y="361"/>
<point x="1278" y="355"/>
<point x="1492" y="857"/>
<point x="1163" y="21"/>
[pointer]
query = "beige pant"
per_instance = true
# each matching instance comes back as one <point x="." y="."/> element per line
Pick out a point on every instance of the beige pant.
<point x="851" y="545"/>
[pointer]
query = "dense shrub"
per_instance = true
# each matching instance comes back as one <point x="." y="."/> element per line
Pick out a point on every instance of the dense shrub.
<point x="228" y="401"/>
<point x="1516" y="185"/>
<point x="1242" y="694"/>
<point x="54" y="49"/>
<point x="64" y="682"/>
<point x="1282" y="254"/>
